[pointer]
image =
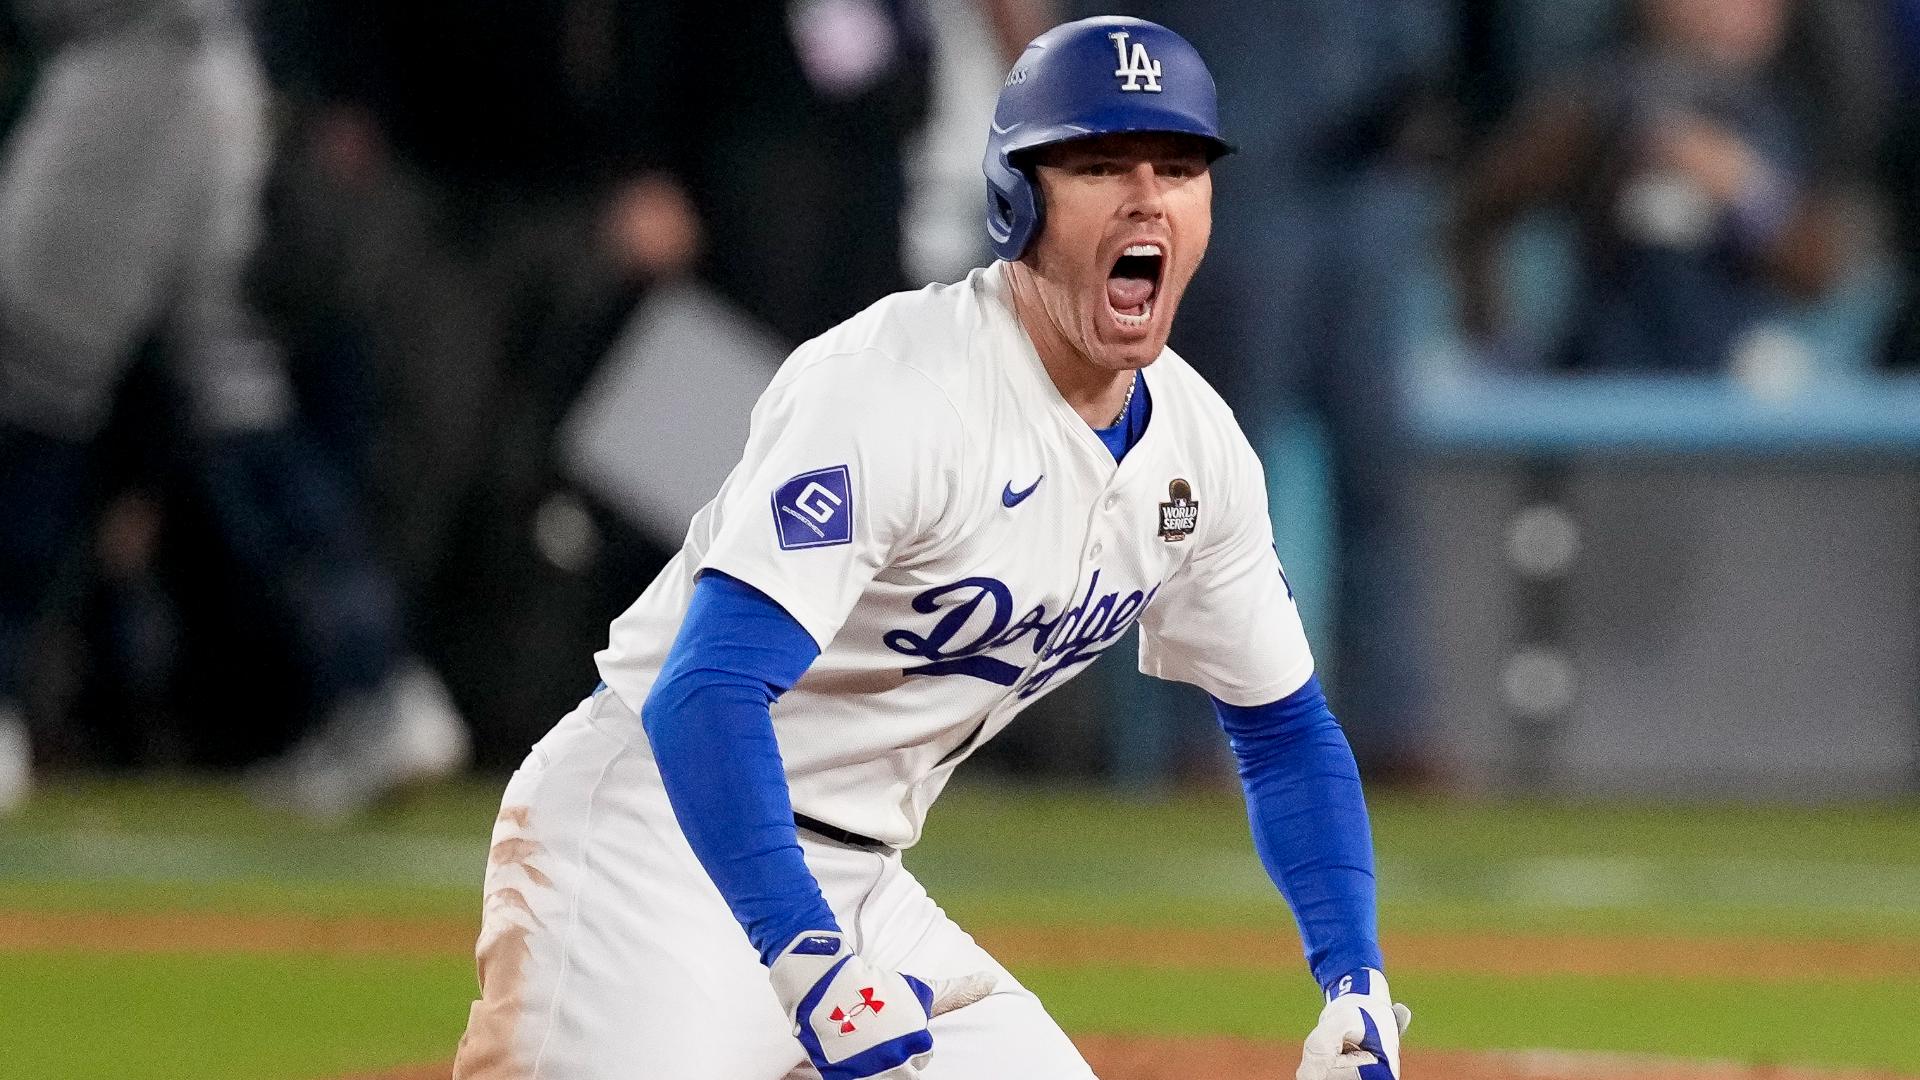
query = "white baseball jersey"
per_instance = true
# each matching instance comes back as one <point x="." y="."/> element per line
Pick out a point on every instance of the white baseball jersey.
<point x="918" y="495"/>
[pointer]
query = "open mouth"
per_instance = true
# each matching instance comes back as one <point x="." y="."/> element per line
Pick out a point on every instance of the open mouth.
<point x="1133" y="283"/>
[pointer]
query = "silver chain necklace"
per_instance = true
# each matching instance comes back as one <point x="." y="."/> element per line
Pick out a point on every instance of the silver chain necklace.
<point x="1128" y="403"/>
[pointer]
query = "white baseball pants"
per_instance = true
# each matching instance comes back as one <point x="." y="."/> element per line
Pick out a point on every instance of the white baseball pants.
<point x="606" y="953"/>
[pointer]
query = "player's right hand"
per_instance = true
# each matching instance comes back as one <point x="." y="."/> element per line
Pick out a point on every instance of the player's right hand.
<point x="857" y="1022"/>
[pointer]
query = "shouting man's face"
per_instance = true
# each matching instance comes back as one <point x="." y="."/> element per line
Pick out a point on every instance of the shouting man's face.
<point x="1127" y="222"/>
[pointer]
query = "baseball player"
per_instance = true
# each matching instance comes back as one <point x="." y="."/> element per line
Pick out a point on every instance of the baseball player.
<point x="947" y="507"/>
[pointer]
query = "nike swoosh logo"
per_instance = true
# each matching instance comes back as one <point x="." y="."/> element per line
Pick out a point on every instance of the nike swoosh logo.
<point x="1011" y="498"/>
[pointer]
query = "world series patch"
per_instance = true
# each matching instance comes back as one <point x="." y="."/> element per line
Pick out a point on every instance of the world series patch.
<point x="1179" y="513"/>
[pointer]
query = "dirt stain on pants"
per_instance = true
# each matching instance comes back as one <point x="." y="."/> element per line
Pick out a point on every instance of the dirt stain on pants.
<point x="487" y="1049"/>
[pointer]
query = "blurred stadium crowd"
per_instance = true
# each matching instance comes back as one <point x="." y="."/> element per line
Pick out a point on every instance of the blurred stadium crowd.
<point x="295" y="300"/>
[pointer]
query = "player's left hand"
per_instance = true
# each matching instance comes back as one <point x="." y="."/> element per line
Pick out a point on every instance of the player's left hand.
<point x="1358" y="1037"/>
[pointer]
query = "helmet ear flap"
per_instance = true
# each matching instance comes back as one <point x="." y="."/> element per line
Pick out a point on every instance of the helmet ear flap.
<point x="1039" y="215"/>
<point x="1013" y="208"/>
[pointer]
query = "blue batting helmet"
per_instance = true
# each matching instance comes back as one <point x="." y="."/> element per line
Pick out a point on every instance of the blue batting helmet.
<point x="1097" y="76"/>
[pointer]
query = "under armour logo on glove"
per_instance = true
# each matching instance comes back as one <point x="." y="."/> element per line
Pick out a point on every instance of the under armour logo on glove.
<point x="867" y="1003"/>
<point x="859" y="1023"/>
<point x="1358" y="1036"/>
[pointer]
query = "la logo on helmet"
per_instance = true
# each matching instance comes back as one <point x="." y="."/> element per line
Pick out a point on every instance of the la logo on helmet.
<point x="1142" y="72"/>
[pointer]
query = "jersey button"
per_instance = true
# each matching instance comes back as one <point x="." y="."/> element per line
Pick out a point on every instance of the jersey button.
<point x="1113" y="501"/>
<point x="1094" y="551"/>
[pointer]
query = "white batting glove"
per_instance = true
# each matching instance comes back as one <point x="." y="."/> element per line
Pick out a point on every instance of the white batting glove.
<point x="1358" y="1037"/>
<point x="859" y="1023"/>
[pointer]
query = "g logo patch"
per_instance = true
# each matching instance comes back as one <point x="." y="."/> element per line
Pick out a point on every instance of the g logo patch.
<point x="814" y="509"/>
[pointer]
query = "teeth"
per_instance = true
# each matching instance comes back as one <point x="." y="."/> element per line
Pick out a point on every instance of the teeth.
<point x="1135" y="320"/>
<point x="1142" y="249"/>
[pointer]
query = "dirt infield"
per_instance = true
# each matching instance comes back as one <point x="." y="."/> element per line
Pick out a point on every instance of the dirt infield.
<point x="1517" y="954"/>
<point x="1117" y="1057"/>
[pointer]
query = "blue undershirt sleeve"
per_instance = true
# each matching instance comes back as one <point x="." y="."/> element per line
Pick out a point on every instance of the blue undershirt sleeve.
<point x="1310" y="824"/>
<point x="708" y="718"/>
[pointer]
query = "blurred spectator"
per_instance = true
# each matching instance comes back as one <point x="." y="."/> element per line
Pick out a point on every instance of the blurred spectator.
<point x="1900" y="178"/>
<point x="973" y="45"/>
<point x="472" y="196"/>
<point x="481" y="192"/>
<point x="789" y="126"/>
<point x="1708" y="166"/>
<point x="127" y="210"/>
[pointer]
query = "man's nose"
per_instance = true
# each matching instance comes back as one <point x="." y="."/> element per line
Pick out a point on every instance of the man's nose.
<point x="1145" y="199"/>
